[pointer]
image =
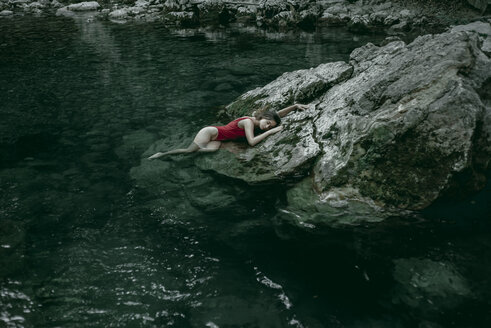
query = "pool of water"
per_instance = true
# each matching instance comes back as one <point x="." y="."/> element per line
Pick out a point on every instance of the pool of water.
<point x="89" y="238"/>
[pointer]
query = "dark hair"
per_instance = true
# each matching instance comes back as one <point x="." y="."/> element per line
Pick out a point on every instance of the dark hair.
<point x="270" y="115"/>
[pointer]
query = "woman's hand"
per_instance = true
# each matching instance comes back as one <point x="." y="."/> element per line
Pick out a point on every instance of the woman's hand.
<point x="301" y="107"/>
<point x="283" y="112"/>
<point x="156" y="155"/>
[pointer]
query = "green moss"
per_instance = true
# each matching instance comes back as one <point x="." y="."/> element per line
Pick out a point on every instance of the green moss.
<point x="333" y="131"/>
<point x="290" y="99"/>
<point x="381" y="134"/>
<point x="244" y="106"/>
<point x="313" y="91"/>
<point x="390" y="180"/>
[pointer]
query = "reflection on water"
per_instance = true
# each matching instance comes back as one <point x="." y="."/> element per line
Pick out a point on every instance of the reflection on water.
<point x="90" y="237"/>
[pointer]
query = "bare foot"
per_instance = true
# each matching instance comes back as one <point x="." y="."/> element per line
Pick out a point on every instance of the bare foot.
<point x="156" y="155"/>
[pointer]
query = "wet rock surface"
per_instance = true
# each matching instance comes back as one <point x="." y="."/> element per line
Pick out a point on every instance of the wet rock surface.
<point x="408" y="127"/>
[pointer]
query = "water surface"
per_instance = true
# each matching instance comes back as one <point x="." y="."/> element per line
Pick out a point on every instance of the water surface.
<point x="89" y="239"/>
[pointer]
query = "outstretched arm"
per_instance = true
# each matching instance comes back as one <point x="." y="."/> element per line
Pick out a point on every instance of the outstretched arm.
<point x="283" y="112"/>
<point x="254" y="140"/>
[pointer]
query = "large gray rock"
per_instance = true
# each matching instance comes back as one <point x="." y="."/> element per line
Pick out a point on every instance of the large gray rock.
<point x="399" y="127"/>
<point x="287" y="153"/>
<point x="403" y="129"/>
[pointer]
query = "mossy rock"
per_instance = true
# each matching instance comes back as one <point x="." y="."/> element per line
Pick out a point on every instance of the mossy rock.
<point x="244" y="106"/>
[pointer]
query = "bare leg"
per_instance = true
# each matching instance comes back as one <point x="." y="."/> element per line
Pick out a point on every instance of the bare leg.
<point x="210" y="147"/>
<point x="202" y="143"/>
<point x="191" y="148"/>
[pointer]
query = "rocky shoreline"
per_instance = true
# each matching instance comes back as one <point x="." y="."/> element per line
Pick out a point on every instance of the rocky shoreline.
<point x="359" y="16"/>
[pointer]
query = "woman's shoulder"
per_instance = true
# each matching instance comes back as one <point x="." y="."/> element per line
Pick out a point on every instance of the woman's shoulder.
<point x="241" y="121"/>
<point x="244" y="118"/>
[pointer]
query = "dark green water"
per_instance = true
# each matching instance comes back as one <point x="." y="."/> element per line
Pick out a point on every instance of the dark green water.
<point x="90" y="237"/>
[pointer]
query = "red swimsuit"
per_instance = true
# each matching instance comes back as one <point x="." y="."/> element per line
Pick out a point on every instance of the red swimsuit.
<point x="231" y="130"/>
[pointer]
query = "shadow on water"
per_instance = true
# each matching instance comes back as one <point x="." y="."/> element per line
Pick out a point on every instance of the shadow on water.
<point x="93" y="234"/>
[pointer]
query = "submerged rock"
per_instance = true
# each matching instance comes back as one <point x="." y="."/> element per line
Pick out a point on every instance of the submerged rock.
<point x="398" y="127"/>
<point x="339" y="207"/>
<point x="134" y="144"/>
<point x="429" y="285"/>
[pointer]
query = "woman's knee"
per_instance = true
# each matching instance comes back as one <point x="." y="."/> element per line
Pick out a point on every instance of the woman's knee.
<point x="213" y="145"/>
<point x="193" y="147"/>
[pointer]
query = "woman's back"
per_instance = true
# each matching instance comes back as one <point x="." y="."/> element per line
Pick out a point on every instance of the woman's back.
<point x="231" y="130"/>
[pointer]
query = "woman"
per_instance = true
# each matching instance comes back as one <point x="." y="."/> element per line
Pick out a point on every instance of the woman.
<point x="209" y="138"/>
